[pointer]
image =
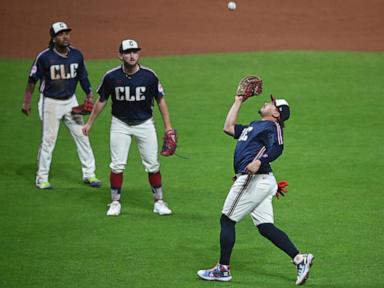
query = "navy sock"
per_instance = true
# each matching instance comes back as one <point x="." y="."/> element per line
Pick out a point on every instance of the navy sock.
<point x="279" y="238"/>
<point x="227" y="239"/>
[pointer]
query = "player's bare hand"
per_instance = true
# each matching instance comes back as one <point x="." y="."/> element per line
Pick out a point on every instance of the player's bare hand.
<point x="239" y="98"/>
<point x="253" y="167"/>
<point x="86" y="129"/>
<point x="26" y="109"/>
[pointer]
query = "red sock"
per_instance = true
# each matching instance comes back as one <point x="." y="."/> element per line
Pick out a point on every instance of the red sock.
<point x="155" y="179"/>
<point x="116" y="180"/>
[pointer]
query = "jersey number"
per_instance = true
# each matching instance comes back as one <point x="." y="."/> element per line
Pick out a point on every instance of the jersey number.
<point x="124" y="94"/>
<point x="244" y="134"/>
<point x="60" y="72"/>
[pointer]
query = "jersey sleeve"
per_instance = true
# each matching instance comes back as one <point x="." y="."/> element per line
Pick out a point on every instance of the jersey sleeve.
<point x="105" y="88"/>
<point x="37" y="70"/>
<point x="238" y="130"/>
<point x="274" y="144"/>
<point x="82" y="75"/>
<point x="159" y="90"/>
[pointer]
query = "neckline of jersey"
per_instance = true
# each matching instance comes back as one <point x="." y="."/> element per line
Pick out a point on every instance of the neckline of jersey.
<point x="61" y="54"/>
<point x="130" y="75"/>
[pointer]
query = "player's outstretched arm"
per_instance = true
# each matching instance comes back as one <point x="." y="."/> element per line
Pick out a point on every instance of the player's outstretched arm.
<point x="97" y="109"/>
<point x="163" y="107"/>
<point x="231" y="120"/>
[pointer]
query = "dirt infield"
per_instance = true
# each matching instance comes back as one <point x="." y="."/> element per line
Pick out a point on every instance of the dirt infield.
<point x="169" y="27"/>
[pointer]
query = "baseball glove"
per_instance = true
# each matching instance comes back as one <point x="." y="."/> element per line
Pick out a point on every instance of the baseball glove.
<point x="83" y="109"/>
<point x="281" y="188"/>
<point x="169" y="143"/>
<point x="249" y="86"/>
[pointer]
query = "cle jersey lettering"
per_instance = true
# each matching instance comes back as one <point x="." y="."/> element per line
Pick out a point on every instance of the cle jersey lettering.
<point x="124" y="94"/>
<point x="59" y="72"/>
<point x="244" y="134"/>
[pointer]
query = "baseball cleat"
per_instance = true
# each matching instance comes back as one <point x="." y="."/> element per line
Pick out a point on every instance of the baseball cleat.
<point x="114" y="208"/>
<point x="43" y="185"/>
<point x="217" y="273"/>
<point x="304" y="263"/>
<point x="161" y="208"/>
<point x="92" y="181"/>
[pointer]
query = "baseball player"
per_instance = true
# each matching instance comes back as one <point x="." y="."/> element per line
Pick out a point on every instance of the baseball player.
<point x="133" y="89"/>
<point x="258" y="144"/>
<point x="59" y="68"/>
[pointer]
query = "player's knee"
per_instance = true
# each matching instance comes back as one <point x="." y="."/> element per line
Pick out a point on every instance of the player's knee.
<point x="265" y="229"/>
<point x="225" y="222"/>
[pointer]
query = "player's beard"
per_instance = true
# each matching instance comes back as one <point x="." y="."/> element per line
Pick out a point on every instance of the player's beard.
<point x="131" y="63"/>
<point x="62" y="46"/>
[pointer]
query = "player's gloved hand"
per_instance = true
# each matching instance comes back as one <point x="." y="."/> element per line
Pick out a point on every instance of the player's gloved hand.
<point x="169" y="143"/>
<point x="281" y="188"/>
<point x="83" y="109"/>
<point x="249" y="86"/>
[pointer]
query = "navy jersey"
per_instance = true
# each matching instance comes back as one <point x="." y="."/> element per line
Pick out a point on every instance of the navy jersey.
<point x="132" y="95"/>
<point x="261" y="140"/>
<point x="59" y="74"/>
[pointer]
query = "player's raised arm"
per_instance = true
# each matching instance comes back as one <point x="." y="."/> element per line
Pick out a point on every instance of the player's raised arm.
<point x="230" y="121"/>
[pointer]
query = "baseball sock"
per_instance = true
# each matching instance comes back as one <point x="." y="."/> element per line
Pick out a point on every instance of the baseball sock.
<point x="155" y="182"/>
<point x="116" y="181"/>
<point x="279" y="238"/>
<point x="227" y="239"/>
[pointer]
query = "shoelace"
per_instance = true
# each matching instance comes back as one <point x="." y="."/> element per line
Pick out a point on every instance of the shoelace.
<point x="300" y="267"/>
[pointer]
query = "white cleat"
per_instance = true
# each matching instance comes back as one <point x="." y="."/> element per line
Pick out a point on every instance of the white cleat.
<point x="114" y="208"/>
<point x="304" y="263"/>
<point x="161" y="208"/>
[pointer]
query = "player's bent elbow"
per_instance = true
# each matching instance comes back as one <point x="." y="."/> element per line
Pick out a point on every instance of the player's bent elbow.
<point x="229" y="130"/>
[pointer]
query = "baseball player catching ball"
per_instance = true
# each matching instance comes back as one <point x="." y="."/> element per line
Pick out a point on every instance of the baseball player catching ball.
<point x="133" y="89"/>
<point x="59" y="68"/>
<point x="258" y="144"/>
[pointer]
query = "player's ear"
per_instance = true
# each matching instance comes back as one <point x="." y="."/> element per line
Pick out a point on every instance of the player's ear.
<point x="120" y="56"/>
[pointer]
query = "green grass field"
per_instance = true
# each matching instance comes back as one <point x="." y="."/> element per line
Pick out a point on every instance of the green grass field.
<point x="333" y="159"/>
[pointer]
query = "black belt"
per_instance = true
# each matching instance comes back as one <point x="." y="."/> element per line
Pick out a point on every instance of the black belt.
<point x="134" y="122"/>
<point x="61" y="98"/>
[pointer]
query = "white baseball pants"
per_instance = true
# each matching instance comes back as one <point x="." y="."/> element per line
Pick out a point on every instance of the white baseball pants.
<point x="120" y="141"/>
<point x="51" y="113"/>
<point x="251" y="194"/>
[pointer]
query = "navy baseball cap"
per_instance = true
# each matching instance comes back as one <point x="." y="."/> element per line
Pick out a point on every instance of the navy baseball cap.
<point x="283" y="107"/>
<point x="58" y="27"/>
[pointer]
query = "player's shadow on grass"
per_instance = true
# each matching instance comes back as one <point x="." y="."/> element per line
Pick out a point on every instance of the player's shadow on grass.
<point x="27" y="170"/>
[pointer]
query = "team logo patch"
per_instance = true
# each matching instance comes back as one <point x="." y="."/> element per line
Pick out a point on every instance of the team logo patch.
<point x="33" y="70"/>
<point x="161" y="89"/>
